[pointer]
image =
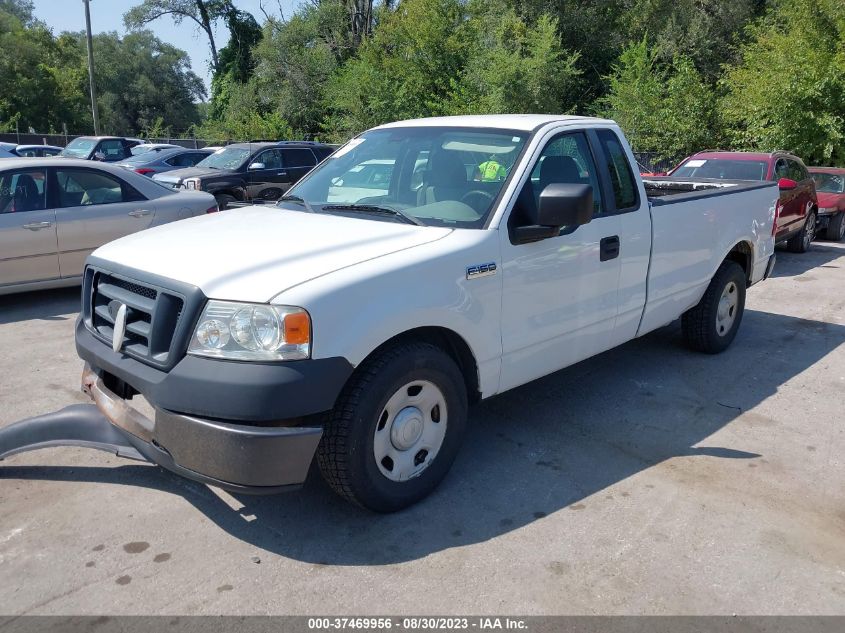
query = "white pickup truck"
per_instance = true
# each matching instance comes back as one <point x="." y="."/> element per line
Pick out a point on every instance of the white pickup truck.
<point x="401" y="280"/>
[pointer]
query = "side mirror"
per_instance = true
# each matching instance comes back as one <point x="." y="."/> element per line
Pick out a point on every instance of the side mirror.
<point x="560" y="205"/>
<point x="787" y="184"/>
<point x="254" y="166"/>
<point x="99" y="156"/>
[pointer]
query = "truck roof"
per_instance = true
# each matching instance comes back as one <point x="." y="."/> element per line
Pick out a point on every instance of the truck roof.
<point x="524" y="122"/>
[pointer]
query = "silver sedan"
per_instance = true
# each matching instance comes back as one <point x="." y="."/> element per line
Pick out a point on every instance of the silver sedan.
<point x="55" y="211"/>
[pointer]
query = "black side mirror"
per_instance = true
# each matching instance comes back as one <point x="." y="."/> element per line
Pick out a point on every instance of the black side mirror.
<point x="560" y="205"/>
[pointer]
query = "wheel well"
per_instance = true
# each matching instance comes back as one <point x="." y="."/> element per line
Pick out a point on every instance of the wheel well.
<point x="227" y="192"/>
<point x="450" y="342"/>
<point x="742" y="255"/>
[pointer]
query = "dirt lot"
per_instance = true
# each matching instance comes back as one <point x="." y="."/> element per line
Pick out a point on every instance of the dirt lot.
<point x="648" y="480"/>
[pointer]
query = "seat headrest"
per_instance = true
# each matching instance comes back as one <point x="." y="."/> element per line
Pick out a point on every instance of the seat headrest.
<point x="447" y="170"/>
<point x="559" y="169"/>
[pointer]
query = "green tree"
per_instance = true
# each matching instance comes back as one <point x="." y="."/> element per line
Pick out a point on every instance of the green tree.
<point x="204" y="13"/>
<point x="513" y="65"/>
<point x="139" y="79"/>
<point x="236" y="61"/>
<point x="42" y="86"/>
<point x="789" y="90"/>
<point x="667" y="109"/>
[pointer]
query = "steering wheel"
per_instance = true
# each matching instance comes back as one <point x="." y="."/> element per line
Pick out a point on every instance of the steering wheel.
<point x="477" y="194"/>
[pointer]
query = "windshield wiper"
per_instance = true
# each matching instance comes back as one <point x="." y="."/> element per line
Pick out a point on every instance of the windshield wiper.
<point x="371" y="208"/>
<point x="299" y="200"/>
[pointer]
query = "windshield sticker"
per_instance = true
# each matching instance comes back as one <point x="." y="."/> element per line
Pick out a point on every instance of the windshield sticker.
<point x="695" y="163"/>
<point x="355" y="142"/>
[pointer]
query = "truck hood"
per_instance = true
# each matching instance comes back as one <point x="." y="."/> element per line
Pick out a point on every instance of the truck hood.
<point x="254" y="253"/>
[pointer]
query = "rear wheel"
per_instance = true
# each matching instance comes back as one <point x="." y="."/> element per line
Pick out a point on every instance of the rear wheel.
<point x="801" y="242"/>
<point x="711" y="326"/>
<point x="396" y="428"/>
<point x="836" y="227"/>
<point x="224" y="200"/>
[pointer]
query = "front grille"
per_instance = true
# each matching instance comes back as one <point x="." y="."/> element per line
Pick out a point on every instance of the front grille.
<point x="153" y="315"/>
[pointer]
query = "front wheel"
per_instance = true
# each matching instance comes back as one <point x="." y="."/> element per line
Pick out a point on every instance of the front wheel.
<point x="836" y="227"/>
<point x="711" y="326"/>
<point x="224" y="200"/>
<point x="396" y="428"/>
<point x="801" y="242"/>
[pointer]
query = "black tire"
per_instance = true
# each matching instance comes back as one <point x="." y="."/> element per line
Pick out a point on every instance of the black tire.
<point x="346" y="452"/>
<point x="223" y="200"/>
<point x="802" y="240"/>
<point x="836" y="227"/>
<point x="700" y="327"/>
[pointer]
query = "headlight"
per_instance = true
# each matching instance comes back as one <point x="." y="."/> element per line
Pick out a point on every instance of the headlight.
<point x="826" y="210"/>
<point x="252" y="331"/>
<point x="192" y="183"/>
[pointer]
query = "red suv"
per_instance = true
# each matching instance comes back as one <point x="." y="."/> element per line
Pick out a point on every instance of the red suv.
<point x="830" y="187"/>
<point x="798" y="208"/>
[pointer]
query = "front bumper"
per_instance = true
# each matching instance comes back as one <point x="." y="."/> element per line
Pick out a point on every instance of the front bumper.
<point x="228" y="390"/>
<point x="238" y="458"/>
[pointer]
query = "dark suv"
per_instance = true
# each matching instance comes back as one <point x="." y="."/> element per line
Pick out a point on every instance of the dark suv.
<point x="105" y="148"/>
<point x="246" y="172"/>
<point x="798" y="209"/>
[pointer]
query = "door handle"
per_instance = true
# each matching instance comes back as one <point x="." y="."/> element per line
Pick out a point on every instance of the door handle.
<point x="37" y="226"/>
<point x="139" y="213"/>
<point x="609" y="248"/>
<point x="281" y="173"/>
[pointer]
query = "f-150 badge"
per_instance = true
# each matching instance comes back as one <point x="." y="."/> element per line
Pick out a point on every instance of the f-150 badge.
<point x="481" y="270"/>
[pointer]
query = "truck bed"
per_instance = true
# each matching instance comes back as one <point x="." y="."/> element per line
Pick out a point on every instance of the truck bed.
<point x="695" y="224"/>
<point x="668" y="190"/>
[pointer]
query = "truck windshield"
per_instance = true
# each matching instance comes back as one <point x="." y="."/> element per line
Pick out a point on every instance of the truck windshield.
<point x="439" y="176"/>
<point x="79" y="148"/>
<point x="227" y="158"/>
<point x="829" y="183"/>
<point x="723" y="169"/>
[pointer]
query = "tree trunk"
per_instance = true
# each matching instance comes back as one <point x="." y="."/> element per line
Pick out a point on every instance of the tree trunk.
<point x="206" y="26"/>
<point x="361" y="19"/>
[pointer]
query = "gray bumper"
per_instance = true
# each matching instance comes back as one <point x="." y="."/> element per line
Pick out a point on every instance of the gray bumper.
<point x="238" y="458"/>
<point x="257" y="459"/>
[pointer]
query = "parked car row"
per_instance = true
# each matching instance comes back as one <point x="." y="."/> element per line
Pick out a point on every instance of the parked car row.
<point x="812" y="200"/>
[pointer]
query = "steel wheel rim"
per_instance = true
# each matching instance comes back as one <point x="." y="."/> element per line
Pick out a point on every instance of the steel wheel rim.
<point x="728" y="306"/>
<point x="410" y="430"/>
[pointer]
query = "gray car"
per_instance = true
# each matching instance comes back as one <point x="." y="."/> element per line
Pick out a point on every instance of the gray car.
<point x="55" y="211"/>
<point x="161" y="158"/>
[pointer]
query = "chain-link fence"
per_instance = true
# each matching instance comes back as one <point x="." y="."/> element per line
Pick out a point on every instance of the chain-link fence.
<point x="650" y="163"/>
<point x="61" y="140"/>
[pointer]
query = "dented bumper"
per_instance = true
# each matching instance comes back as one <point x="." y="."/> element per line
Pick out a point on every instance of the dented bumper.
<point x="235" y="457"/>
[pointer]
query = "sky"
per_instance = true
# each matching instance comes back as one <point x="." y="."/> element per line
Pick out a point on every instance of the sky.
<point x="107" y="15"/>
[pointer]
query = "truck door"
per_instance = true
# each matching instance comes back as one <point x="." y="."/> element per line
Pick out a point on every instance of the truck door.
<point x="559" y="302"/>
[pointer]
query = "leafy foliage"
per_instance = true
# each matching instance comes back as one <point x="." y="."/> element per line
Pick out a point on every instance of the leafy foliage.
<point x="666" y="109"/>
<point x="789" y="90"/>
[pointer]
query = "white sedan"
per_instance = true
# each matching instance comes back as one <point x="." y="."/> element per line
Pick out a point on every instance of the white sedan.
<point x="55" y="211"/>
